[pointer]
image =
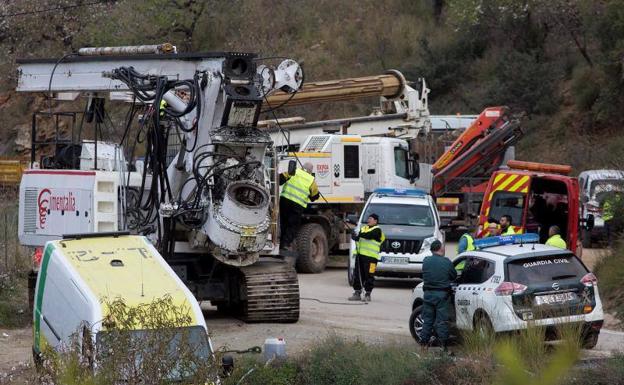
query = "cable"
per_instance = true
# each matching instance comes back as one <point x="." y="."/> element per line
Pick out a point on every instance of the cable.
<point x="24" y="13"/>
<point x="335" y="303"/>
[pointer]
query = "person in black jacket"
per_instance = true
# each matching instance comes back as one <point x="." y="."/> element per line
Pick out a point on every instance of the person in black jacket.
<point x="367" y="246"/>
<point x="438" y="275"/>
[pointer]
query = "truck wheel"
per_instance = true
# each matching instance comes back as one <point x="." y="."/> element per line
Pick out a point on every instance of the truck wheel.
<point x="586" y="237"/>
<point x="312" y="249"/>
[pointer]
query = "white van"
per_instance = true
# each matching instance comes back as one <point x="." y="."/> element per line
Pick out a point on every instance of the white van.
<point x="79" y="274"/>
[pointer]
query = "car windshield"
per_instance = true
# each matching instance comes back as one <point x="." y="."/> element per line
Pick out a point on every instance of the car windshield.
<point x="545" y="269"/>
<point x="185" y="348"/>
<point x="400" y="214"/>
<point x="600" y="189"/>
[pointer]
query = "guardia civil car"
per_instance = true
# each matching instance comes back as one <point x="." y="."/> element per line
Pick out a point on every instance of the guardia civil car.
<point x="510" y="282"/>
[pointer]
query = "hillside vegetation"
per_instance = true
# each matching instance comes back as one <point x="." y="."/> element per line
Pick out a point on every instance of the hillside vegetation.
<point x="556" y="62"/>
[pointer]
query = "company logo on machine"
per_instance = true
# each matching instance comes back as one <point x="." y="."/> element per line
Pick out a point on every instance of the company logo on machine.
<point x="555" y="286"/>
<point x="322" y="170"/>
<point x="395" y="244"/>
<point x="48" y="202"/>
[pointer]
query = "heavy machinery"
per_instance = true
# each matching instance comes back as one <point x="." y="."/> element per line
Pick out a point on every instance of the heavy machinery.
<point x="203" y="193"/>
<point x="461" y="174"/>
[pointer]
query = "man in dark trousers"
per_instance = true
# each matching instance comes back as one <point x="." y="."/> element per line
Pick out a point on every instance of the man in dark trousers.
<point x="297" y="191"/>
<point x="438" y="275"/>
<point x="367" y="246"/>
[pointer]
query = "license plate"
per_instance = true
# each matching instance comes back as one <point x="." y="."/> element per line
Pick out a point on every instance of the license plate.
<point x="395" y="260"/>
<point x="553" y="299"/>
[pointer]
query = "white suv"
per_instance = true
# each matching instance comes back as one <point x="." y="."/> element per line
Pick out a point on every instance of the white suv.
<point x="410" y="222"/>
<point x="508" y="282"/>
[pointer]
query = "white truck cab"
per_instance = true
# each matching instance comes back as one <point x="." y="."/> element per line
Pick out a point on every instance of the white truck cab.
<point x="409" y="220"/>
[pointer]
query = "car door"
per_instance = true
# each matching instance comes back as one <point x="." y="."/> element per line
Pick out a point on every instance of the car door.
<point x="470" y="292"/>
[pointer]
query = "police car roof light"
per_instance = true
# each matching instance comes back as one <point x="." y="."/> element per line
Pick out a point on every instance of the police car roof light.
<point x="400" y="191"/>
<point x="506" y="240"/>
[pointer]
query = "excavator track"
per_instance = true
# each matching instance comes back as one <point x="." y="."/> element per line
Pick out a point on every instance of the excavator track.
<point x="269" y="292"/>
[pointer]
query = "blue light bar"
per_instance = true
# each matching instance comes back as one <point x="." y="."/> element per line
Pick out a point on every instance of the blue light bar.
<point x="400" y="191"/>
<point x="506" y="240"/>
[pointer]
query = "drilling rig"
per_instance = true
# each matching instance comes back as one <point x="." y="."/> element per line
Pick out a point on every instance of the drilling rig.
<point x="209" y="205"/>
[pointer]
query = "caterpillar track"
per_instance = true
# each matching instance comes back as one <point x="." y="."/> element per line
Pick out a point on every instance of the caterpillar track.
<point x="269" y="292"/>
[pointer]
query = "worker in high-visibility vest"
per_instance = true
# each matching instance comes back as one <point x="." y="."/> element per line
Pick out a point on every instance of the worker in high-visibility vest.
<point x="555" y="240"/>
<point x="505" y="225"/>
<point x="493" y="230"/>
<point x="610" y="204"/>
<point x="297" y="191"/>
<point x="367" y="247"/>
<point x="466" y="243"/>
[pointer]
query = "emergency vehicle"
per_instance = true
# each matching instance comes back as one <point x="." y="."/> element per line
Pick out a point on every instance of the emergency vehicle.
<point x="512" y="282"/>
<point x="536" y="196"/>
<point x="409" y="220"/>
<point x="80" y="273"/>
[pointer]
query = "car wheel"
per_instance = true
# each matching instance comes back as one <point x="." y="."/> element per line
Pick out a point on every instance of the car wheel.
<point x="590" y="340"/>
<point x="416" y="323"/>
<point x="483" y="325"/>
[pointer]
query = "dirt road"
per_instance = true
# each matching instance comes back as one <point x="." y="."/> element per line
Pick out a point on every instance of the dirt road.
<point x="324" y="311"/>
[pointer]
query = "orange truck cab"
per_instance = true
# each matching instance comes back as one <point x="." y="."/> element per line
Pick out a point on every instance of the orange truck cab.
<point x="536" y="196"/>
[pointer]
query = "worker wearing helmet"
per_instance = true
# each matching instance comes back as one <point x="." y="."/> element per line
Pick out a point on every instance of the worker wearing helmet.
<point x="555" y="240"/>
<point x="367" y="246"/>
<point x="438" y="275"/>
<point x="297" y="191"/>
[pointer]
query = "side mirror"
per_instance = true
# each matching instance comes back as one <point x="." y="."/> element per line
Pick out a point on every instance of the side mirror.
<point x="590" y="222"/>
<point x="292" y="167"/>
<point x="352" y="219"/>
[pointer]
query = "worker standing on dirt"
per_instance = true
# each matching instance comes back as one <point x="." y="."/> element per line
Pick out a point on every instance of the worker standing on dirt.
<point x="367" y="245"/>
<point x="505" y="225"/>
<point x="554" y="238"/>
<point x="297" y="191"/>
<point x="438" y="275"/>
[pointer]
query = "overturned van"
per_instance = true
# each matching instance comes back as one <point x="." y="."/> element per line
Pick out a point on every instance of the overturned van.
<point x="82" y="275"/>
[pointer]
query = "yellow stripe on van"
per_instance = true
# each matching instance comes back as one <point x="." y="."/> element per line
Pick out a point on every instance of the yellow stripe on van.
<point x="310" y="154"/>
<point x="348" y="139"/>
<point x="123" y="267"/>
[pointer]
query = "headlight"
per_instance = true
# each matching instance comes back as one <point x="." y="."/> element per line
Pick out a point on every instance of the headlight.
<point x="426" y="245"/>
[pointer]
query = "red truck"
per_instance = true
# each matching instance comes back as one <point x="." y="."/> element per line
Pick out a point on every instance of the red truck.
<point x="536" y="196"/>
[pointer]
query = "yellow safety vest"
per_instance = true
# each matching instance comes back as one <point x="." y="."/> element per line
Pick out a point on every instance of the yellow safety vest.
<point x="297" y="188"/>
<point x="509" y="231"/>
<point x="607" y="208"/>
<point x="163" y="105"/>
<point x="470" y="243"/>
<point x="369" y="247"/>
<point x="556" y="241"/>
